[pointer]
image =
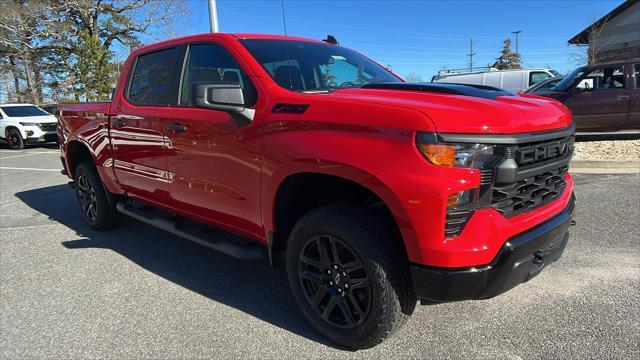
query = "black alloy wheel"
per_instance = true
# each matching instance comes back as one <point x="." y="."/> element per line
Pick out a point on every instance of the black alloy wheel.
<point x="349" y="274"/>
<point x="87" y="197"/>
<point x="97" y="205"/>
<point x="334" y="281"/>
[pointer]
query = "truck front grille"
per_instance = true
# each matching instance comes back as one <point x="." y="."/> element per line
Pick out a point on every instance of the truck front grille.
<point x="529" y="193"/>
<point x="535" y="153"/>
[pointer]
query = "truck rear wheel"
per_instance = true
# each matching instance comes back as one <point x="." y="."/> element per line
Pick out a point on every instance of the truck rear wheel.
<point x="349" y="275"/>
<point x="96" y="208"/>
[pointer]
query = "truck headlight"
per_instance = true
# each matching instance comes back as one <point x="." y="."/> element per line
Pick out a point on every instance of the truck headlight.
<point x="28" y="124"/>
<point x="463" y="155"/>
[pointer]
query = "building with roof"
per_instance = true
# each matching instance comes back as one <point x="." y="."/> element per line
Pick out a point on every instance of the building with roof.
<point x="615" y="36"/>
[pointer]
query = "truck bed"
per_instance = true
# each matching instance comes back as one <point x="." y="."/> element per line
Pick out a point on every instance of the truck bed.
<point x="72" y="116"/>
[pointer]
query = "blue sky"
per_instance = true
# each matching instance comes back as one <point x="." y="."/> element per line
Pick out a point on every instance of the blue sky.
<point x="417" y="36"/>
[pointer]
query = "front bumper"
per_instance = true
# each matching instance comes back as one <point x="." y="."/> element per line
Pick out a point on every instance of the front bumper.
<point x="46" y="137"/>
<point x="521" y="258"/>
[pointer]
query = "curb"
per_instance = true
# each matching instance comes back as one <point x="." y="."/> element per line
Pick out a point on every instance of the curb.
<point x="604" y="167"/>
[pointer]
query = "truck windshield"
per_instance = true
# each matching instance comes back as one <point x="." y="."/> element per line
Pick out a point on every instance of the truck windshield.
<point x="23" y="111"/>
<point x="566" y="83"/>
<point x="309" y="66"/>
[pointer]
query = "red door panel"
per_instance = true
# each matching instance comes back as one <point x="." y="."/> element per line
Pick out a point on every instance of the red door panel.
<point x="139" y="145"/>
<point x="215" y="168"/>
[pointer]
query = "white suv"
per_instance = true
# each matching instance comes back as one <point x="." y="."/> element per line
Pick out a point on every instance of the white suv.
<point x="22" y="123"/>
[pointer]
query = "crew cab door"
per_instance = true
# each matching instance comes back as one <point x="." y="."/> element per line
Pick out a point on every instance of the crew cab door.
<point x="599" y="101"/>
<point x="138" y="122"/>
<point x="214" y="156"/>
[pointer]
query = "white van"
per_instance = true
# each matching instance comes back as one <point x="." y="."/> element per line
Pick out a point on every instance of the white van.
<point x="514" y="80"/>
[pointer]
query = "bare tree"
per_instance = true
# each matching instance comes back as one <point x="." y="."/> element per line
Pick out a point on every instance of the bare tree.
<point x="48" y="44"/>
<point x="413" y="77"/>
<point x="591" y="52"/>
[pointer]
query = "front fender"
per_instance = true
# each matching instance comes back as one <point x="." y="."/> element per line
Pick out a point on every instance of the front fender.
<point x="362" y="155"/>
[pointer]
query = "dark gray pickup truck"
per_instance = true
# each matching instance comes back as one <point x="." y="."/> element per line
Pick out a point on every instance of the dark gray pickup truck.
<point x="602" y="97"/>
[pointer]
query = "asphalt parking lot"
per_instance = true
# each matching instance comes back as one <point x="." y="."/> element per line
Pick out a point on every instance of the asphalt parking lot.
<point x="135" y="292"/>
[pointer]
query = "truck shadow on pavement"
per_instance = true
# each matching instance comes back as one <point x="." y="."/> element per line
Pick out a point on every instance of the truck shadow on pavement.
<point x="250" y="286"/>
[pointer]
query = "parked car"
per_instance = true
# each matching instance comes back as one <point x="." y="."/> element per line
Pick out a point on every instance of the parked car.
<point x="602" y="97"/>
<point x="329" y="163"/>
<point x="514" y="80"/>
<point x="544" y="85"/>
<point x="26" y="123"/>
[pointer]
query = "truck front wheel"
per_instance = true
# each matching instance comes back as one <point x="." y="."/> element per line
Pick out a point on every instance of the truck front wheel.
<point x="349" y="275"/>
<point x="92" y="198"/>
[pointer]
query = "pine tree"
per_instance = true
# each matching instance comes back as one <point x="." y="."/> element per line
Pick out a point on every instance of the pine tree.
<point x="507" y="59"/>
<point x="94" y="68"/>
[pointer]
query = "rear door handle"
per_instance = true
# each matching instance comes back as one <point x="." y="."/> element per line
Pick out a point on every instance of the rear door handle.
<point x="117" y="123"/>
<point x="623" y="98"/>
<point x="176" y="128"/>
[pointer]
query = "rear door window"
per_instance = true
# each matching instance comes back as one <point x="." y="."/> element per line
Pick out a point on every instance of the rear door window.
<point x="152" y="82"/>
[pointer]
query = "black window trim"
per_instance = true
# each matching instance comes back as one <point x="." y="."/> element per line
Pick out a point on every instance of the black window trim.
<point x="185" y="57"/>
<point x="174" y="92"/>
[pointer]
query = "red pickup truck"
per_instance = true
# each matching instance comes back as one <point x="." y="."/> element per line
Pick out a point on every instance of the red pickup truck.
<point x="375" y="192"/>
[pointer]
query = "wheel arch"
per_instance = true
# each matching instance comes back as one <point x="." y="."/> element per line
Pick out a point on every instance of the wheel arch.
<point x="76" y="151"/>
<point x="298" y="192"/>
<point x="9" y="127"/>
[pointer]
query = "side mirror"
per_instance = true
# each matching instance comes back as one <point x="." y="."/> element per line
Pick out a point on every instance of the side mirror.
<point x="222" y="96"/>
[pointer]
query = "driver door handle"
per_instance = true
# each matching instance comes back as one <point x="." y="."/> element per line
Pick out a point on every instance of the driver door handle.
<point x="623" y="98"/>
<point x="116" y="123"/>
<point x="176" y="128"/>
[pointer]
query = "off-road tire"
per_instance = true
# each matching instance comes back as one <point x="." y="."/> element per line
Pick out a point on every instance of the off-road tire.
<point x="102" y="213"/>
<point x="372" y="238"/>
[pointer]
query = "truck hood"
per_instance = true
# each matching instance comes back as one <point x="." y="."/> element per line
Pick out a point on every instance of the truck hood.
<point x="467" y="109"/>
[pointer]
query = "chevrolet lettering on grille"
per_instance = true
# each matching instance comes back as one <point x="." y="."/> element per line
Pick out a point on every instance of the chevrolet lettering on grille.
<point x="541" y="152"/>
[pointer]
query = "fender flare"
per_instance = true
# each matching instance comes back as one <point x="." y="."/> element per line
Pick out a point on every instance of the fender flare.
<point x="103" y="166"/>
<point x="272" y="184"/>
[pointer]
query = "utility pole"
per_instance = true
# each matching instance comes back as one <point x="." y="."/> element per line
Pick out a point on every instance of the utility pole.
<point x="213" y="16"/>
<point x="471" y="54"/>
<point x="517" y="33"/>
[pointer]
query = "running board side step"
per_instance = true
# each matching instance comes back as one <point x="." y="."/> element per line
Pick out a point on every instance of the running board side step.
<point x="224" y="242"/>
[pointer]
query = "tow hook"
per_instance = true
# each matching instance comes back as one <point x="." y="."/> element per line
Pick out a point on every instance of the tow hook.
<point x="538" y="258"/>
